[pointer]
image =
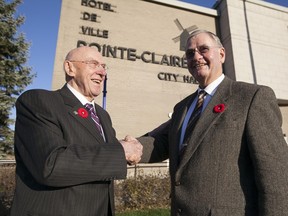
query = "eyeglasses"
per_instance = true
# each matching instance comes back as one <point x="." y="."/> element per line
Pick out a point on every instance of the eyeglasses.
<point x="92" y="64"/>
<point x="202" y="50"/>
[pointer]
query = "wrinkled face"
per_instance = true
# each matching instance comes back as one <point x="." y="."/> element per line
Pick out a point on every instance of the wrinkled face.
<point x="204" y="58"/>
<point x="86" y="70"/>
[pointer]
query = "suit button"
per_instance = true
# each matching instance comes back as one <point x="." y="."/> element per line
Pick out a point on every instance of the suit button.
<point x="177" y="183"/>
<point x="179" y="211"/>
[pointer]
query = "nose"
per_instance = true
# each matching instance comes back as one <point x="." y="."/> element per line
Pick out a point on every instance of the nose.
<point x="197" y="54"/>
<point x="104" y="69"/>
<point x="101" y="71"/>
<point x="104" y="72"/>
<point x="192" y="54"/>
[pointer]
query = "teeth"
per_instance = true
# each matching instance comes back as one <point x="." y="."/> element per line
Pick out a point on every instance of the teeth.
<point x="96" y="81"/>
<point x="199" y="65"/>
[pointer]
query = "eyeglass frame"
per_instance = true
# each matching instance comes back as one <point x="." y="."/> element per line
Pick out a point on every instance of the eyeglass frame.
<point x="95" y="63"/>
<point x="201" y="51"/>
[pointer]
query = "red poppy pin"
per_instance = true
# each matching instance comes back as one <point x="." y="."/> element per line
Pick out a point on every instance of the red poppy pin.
<point x="219" y="108"/>
<point x="82" y="112"/>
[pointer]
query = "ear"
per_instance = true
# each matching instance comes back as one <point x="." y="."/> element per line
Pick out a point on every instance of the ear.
<point x="69" y="68"/>
<point x="222" y="55"/>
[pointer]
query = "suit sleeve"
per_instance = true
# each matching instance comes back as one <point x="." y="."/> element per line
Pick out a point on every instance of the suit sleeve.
<point x="156" y="144"/>
<point x="269" y="153"/>
<point x="58" y="153"/>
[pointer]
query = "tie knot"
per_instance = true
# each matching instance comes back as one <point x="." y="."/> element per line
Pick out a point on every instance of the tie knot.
<point x="89" y="107"/>
<point x="202" y="93"/>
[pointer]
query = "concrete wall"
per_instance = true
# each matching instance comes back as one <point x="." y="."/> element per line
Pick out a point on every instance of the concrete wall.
<point x="255" y="35"/>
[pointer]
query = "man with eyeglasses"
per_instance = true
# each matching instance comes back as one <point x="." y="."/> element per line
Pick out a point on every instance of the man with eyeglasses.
<point x="229" y="157"/>
<point x="67" y="155"/>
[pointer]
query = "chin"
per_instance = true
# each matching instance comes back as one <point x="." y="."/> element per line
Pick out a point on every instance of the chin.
<point x="96" y="95"/>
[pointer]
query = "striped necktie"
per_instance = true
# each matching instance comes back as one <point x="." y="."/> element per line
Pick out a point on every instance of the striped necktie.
<point x="193" y="120"/>
<point x="89" y="107"/>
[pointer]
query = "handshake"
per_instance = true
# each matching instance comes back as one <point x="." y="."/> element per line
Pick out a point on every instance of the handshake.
<point x="132" y="148"/>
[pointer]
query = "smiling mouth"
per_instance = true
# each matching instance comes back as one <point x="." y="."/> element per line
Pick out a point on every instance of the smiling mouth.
<point x="97" y="81"/>
<point x="197" y="66"/>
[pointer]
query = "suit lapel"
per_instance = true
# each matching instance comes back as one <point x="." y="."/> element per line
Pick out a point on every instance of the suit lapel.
<point x="207" y="119"/>
<point x="180" y="116"/>
<point x="72" y="104"/>
<point x="176" y="126"/>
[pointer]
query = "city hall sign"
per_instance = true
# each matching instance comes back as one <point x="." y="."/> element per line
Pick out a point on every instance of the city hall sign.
<point x="132" y="54"/>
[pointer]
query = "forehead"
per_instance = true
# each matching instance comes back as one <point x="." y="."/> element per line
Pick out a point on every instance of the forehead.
<point x="87" y="53"/>
<point x="201" y="39"/>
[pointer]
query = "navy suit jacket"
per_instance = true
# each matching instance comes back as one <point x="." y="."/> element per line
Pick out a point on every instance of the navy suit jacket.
<point x="63" y="165"/>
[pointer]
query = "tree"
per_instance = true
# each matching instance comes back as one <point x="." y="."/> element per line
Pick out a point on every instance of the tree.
<point x="14" y="74"/>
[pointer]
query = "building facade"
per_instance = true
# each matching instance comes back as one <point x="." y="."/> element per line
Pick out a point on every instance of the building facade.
<point x="142" y="42"/>
<point x="255" y="36"/>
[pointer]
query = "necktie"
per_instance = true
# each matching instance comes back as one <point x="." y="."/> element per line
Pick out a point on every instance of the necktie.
<point x="193" y="119"/>
<point x="95" y="118"/>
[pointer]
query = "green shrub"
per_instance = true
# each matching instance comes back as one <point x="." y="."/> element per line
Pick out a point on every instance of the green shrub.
<point x="7" y="185"/>
<point x="151" y="212"/>
<point x="143" y="192"/>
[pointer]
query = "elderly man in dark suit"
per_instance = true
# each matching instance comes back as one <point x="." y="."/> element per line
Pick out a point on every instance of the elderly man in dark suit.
<point x="66" y="151"/>
<point x="229" y="157"/>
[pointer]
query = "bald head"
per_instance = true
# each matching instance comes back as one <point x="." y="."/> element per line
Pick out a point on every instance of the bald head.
<point x="85" y="71"/>
<point x="80" y="52"/>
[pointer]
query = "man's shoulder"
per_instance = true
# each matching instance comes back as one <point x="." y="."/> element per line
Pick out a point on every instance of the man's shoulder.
<point x="37" y="94"/>
<point x="184" y="101"/>
<point x="37" y="91"/>
<point x="248" y="91"/>
<point x="249" y="87"/>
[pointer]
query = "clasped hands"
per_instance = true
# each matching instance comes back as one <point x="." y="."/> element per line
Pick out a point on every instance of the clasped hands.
<point x="132" y="148"/>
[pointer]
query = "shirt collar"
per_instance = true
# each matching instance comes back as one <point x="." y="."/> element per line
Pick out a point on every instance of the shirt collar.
<point x="79" y="96"/>
<point x="211" y="88"/>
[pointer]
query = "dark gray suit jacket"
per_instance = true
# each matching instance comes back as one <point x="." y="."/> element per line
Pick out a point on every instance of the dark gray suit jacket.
<point x="236" y="162"/>
<point x="64" y="167"/>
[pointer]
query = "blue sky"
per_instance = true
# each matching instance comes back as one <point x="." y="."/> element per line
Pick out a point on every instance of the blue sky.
<point x="41" y="28"/>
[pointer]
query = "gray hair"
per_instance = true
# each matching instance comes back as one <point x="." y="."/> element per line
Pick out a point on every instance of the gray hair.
<point x="211" y="34"/>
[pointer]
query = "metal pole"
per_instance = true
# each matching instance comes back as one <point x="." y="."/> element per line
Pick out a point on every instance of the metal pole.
<point x="104" y="93"/>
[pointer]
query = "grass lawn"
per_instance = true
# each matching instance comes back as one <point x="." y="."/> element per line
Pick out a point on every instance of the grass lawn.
<point x="150" y="212"/>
